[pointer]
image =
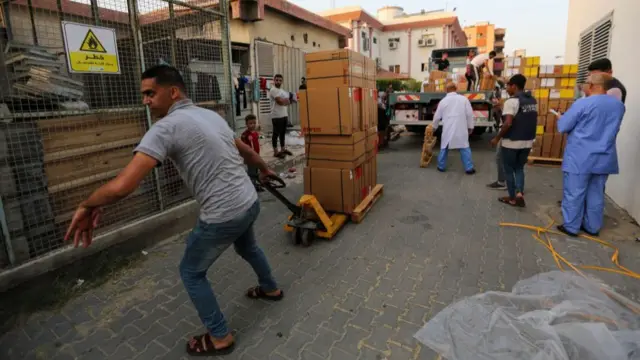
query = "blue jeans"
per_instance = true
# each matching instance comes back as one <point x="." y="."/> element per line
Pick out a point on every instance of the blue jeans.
<point x="514" y="161"/>
<point x="583" y="201"/>
<point x="205" y="244"/>
<point x="465" y="155"/>
<point x="500" y="164"/>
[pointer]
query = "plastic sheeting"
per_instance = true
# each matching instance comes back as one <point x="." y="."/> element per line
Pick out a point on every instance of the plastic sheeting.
<point x="551" y="316"/>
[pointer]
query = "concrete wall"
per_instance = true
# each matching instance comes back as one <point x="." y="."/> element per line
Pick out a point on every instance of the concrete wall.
<point x="278" y="29"/>
<point x="408" y="55"/>
<point x="624" y="52"/>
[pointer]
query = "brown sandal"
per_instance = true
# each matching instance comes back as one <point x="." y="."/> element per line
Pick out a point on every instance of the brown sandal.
<point x="507" y="200"/>
<point x="257" y="293"/>
<point x="202" y="345"/>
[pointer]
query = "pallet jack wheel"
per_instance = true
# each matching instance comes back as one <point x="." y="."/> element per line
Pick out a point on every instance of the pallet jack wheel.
<point x="304" y="237"/>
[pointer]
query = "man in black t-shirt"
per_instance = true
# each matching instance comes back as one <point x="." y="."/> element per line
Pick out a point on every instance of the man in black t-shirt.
<point x="617" y="90"/>
<point x="443" y="64"/>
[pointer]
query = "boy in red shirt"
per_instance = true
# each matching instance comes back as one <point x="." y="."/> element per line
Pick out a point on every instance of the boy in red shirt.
<point x="252" y="138"/>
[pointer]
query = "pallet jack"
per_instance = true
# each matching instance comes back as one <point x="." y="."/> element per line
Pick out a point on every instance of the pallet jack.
<point x="308" y="220"/>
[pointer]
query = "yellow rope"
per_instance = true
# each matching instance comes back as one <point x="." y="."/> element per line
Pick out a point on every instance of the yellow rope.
<point x="559" y="258"/>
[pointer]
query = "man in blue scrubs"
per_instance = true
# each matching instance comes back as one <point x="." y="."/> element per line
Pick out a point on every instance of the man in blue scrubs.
<point x="590" y="156"/>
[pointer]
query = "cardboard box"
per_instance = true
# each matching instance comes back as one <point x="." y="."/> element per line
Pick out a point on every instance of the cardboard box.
<point x="532" y="61"/>
<point x="543" y="106"/>
<point x="514" y="62"/>
<point x="542" y="120"/>
<point x="568" y="83"/>
<point x="369" y="109"/>
<point x="335" y="151"/>
<point x="370" y="173"/>
<point x="370" y="69"/>
<point x="554" y="104"/>
<point x="556" y="146"/>
<point x="562" y="94"/>
<point x="547" y="141"/>
<point x="371" y="146"/>
<point x="335" y="68"/>
<point x="330" y="111"/>
<point x="540" y="93"/>
<point x="550" y="124"/>
<point x="531" y="71"/>
<point x="536" y="150"/>
<point x="338" y="190"/>
<point x="546" y="71"/>
<point x="532" y="83"/>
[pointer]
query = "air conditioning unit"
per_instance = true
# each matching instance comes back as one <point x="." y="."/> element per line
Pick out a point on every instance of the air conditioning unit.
<point x="430" y="42"/>
<point x="422" y="42"/>
<point x="393" y="45"/>
<point x="378" y="62"/>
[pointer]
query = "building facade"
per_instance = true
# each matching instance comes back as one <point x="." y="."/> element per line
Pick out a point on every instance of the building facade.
<point x="599" y="29"/>
<point x="399" y="42"/>
<point x="486" y="37"/>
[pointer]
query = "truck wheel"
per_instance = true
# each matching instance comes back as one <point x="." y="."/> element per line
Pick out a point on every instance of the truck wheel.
<point x="416" y="129"/>
<point x="479" y="130"/>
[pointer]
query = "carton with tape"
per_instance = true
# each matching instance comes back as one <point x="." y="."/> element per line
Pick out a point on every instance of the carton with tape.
<point x="336" y="152"/>
<point x="335" y="68"/>
<point x="330" y="111"/>
<point x="338" y="190"/>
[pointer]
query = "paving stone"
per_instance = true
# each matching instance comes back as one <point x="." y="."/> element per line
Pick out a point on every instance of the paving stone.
<point x="431" y="239"/>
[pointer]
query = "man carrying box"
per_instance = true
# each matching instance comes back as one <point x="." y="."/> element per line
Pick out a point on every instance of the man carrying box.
<point x="479" y="63"/>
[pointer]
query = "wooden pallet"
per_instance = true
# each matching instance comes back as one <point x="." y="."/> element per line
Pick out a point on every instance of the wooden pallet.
<point x="544" y="161"/>
<point x="363" y="208"/>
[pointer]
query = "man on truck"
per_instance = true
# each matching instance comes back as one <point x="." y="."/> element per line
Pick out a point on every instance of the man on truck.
<point x="443" y="63"/>
<point x="479" y="63"/>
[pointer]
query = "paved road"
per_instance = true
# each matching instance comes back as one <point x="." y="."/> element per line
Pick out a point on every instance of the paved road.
<point x="433" y="238"/>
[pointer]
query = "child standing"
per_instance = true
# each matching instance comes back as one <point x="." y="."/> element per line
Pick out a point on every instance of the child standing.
<point x="251" y="137"/>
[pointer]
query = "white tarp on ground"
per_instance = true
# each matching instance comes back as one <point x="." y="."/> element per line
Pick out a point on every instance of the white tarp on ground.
<point x="551" y="316"/>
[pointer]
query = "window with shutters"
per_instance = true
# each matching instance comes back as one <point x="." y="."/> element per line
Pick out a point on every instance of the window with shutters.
<point x="595" y="43"/>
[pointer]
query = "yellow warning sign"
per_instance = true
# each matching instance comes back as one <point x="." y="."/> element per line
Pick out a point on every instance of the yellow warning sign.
<point x="91" y="43"/>
<point x="91" y="49"/>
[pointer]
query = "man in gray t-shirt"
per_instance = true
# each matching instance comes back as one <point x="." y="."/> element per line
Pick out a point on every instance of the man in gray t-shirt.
<point x="211" y="162"/>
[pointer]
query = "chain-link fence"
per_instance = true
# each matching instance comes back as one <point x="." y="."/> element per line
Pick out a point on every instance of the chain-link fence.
<point x="71" y="111"/>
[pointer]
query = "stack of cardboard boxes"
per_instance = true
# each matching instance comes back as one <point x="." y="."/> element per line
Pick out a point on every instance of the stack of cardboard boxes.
<point x="554" y="87"/>
<point x="339" y="117"/>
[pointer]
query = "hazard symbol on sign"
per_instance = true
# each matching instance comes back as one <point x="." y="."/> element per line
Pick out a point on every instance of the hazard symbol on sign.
<point x="91" y="49"/>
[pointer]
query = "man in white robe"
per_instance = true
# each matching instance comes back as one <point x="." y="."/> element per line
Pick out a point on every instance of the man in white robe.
<point x="457" y="121"/>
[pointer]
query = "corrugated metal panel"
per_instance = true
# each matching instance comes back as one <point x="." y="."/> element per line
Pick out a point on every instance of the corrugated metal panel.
<point x="284" y="60"/>
<point x="264" y="58"/>
<point x="594" y="44"/>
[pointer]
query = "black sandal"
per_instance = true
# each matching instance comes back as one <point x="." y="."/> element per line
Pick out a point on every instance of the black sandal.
<point x="520" y="202"/>
<point x="257" y="293"/>
<point x="564" y="230"/>
<point x="202" y="345"/>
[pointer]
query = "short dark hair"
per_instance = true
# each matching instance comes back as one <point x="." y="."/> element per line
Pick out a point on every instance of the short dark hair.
<point x="518" y="80"/>
<point x="600" y="65"/>
<point x="278" y="76"/>
<point x="492" y="53"/>
<point x="165" y="75"/>
<point x="250" y="117"/>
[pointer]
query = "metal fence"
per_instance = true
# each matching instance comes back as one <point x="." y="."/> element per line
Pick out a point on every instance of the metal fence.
<point x="71" y="111"/>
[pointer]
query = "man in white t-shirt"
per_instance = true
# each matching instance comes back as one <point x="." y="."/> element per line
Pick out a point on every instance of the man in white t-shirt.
<point x="280" y="99"/>
<point x="479" y="63"/>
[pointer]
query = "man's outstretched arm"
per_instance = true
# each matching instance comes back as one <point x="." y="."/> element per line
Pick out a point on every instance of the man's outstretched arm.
<point x="251" y="157"/>
<point x="124" y="184"/>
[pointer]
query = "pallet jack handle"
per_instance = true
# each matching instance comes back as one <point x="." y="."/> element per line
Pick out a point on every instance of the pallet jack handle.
<point x="272" y="183"/>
